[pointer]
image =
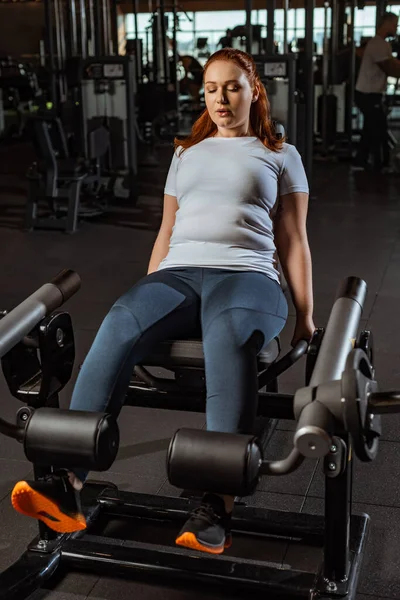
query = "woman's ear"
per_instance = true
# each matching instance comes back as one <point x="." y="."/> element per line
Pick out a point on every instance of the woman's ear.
<point x="256" y="93"/>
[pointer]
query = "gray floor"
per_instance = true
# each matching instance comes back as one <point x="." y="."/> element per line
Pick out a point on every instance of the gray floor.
<point x="353" y="229"/>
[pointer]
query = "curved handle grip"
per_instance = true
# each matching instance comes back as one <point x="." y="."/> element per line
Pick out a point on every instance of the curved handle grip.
<point x="283" y="363"/>
<point x="282" y="467"/>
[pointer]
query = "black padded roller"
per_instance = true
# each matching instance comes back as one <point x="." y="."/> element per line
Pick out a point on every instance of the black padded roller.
<point x="224" y="463"/>
<point x="71" y="439"/>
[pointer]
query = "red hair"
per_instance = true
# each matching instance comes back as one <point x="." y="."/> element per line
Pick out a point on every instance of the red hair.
<point x="260" y="114"/>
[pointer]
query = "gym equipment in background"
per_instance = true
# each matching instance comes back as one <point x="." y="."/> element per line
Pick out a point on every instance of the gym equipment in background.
<point x="105" y="89"/>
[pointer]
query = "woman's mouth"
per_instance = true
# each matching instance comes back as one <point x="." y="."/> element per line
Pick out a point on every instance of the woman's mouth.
<point x="224" y="113"/>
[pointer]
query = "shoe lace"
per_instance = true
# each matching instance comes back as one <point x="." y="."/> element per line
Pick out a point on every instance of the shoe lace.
<point x="206" y="512"/>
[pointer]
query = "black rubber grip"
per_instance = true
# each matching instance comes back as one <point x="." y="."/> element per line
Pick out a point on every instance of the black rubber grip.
<point x="68" y="282"/>
<point x="354" y="288"/>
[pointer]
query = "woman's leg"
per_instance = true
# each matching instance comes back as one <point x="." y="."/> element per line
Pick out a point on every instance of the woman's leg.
<point x="161" y="306"/>
<point x="158" y="307"/>
<point x="241" y="314"/>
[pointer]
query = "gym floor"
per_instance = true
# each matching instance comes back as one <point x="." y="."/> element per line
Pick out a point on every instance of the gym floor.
<point x="354" y="224"/>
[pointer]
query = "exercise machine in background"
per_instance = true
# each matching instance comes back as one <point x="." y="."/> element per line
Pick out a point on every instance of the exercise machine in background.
<point x="278" y="74"/>
<point x="104" y="92"/>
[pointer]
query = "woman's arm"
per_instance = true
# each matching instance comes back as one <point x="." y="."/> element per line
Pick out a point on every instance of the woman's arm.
<point x="161" y="245"/>
<point x="294" y="255"/>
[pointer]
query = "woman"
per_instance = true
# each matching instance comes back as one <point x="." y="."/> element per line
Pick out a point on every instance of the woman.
<point x="213" y="265"/>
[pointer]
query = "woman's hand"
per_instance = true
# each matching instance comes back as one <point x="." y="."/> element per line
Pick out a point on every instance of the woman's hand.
<point x="304" y="329"/>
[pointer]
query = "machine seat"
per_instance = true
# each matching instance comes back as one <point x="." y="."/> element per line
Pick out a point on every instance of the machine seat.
<point x="189" y="353"/>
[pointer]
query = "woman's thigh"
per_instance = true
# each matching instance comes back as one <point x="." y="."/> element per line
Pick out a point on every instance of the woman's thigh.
<point x="249" y="300"/>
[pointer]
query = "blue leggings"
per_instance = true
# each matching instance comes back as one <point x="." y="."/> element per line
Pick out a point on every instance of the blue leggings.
<point x="237" y="312"/>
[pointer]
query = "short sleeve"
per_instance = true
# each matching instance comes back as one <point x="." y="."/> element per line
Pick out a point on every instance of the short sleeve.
<point x="380" y="51"/>
<point x="293" y="176"/>
<point x="170" y="184"/>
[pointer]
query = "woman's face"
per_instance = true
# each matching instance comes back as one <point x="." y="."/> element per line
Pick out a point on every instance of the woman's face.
<point x="228" y="98"/>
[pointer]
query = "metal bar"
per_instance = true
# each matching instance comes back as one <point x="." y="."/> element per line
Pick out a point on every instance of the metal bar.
<point x="249" y="29"/>
<point x="341" y="331"/>
<point x="91" y="29"/>
<point x="174" y="74"/>
<point x="23" y="318"/>
<point x="329" y="589"/>
<point x="106" y="26"/>
<point x="245" y="518"/>
<point x="57" y="31"/>
<point x="325" y="83"/>
<point x="27" y="574"/>
<point x="49" y="44"/>
<point x="334" y="39"/>
<point x="46" y="534"/>
<point x="351" y="83"/>
<point x="270" y="46"/>
<point x="292" y="116"/>
<point x="337" y="520"/>
<point x="135" y="7"/>
<point x="11" y="430"/>
<point x="286" y="361"/>
<point x="114" y="27"/>
<point x="98" y="27"/>
<point x="285" y="27"/>
<point x="279" y="406"/>
<point x="381" y="403"/>
<point x="83" y="31"/>
<point x="63" y="51"/>
<point x="73" y="27"/>
<point x="109" y="555"/>
<point x="309" y="87"/>
<point x="163" y="41"/>
<point x="155" y="31"/>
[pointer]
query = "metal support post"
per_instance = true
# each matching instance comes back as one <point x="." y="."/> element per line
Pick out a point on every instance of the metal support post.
<point x="270" y="46"/>
<point x="309" y="88"/>
<point x="163" y="42"/>
<point x="98" y="28"/>
<point x="337" y="518"/>
<point x="84" y="32"/>
<point x="285" y="26"/>
<point x="73" y="29"/>
<point x="49" y="48"/>
<point x="135" y="7"/>
<point x="249" y="29"/>
<point x="114" y="27"/>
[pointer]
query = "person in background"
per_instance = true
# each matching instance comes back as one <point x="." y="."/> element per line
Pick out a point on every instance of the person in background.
<point x="226" y="40"/>
<point x="377" y="64"/>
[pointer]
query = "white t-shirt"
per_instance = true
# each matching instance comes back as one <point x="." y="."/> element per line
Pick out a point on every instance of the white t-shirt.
<point x="226" y="189"/>
<point x="371" y="79"/>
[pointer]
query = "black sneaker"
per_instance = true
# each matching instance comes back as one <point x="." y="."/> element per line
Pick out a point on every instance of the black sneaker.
<point x="53" y="501"/>
<point x="208" y="528"/>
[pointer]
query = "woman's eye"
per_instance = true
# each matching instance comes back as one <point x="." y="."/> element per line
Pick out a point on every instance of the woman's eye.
<point x="234" y="89"/>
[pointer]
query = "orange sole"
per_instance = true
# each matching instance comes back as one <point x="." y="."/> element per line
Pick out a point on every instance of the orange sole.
<point x="189" y="540"/>
<point x="30" y="503"/>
